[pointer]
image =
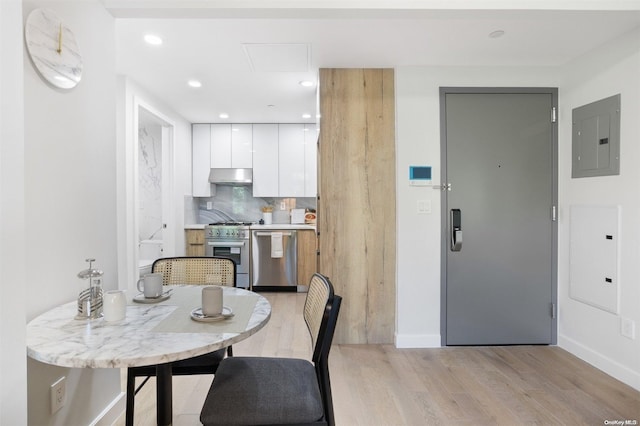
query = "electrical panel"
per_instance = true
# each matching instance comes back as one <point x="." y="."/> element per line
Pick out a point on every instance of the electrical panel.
<point x="596" y="138"/>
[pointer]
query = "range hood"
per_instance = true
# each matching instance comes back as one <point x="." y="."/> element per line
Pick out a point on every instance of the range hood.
<point x="234" y="177"/>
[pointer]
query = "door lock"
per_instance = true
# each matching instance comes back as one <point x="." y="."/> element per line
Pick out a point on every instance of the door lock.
<point x="456" y="230"/>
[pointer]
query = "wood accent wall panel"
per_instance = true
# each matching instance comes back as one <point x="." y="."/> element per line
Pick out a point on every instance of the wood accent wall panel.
<point x="357" y="204"/>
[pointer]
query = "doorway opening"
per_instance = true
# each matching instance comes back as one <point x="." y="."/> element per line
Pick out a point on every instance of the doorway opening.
<point x="151" y="178"/>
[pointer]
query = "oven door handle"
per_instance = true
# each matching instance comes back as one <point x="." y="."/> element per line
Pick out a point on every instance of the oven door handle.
<point x="227" y="244"/>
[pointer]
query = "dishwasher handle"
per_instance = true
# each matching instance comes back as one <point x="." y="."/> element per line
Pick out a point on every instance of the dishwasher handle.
<point x="268" y="234"/>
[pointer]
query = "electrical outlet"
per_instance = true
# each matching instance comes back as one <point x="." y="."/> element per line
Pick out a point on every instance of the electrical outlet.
<point x="628" y="328"/>
<point x="58" y="394"/>
<point x="209" y="205"/>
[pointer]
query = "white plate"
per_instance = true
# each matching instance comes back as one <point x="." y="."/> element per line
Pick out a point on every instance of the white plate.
<point x="197" y="315"/>
<point x="139" y="298"/>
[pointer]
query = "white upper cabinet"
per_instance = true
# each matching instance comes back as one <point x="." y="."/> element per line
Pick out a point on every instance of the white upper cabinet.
<point x="283" y="157"/>
<point x="220" y="146"/>
<point x="201" y="154"/>
<point x="265" y="160"/>
<point x="310" y="160"/>
<point x="242" y="146"/>
<point x="231" y="146"/>
<point x="284" y="161"/>
<point x="291" y="155"/>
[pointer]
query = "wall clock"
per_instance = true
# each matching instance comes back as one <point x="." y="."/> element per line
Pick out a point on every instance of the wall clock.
<point x="53" y="49"/>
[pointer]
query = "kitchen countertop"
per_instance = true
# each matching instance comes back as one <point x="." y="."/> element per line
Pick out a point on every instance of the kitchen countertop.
<point x="284" y="226"/>
<point x="265" y="227"/>
<point x="195" y="226"/>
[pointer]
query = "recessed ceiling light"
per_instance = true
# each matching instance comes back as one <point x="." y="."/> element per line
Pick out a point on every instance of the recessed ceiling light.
<point x="224" y="115"/>
<point x="194" y="83"/>
<point x="496" y="34"/>
<point x="305" y="83"/>
<point x="306" y="115"/>
<point x="153" y="39"/>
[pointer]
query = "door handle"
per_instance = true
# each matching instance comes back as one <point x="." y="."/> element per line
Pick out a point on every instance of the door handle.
<point x="456" y="230"/>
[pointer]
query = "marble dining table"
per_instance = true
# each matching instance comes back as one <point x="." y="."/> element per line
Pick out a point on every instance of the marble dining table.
<point x="150" y="334"/>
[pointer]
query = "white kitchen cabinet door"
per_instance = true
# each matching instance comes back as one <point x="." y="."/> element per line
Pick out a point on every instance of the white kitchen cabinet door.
<point x="242" y="146"/>
<point x="265" y="160"/>
<point x="221" y="146"/>
<point x="201" y="154"/>
<point x="310" y="160"/>
<point x="291" y="160"/>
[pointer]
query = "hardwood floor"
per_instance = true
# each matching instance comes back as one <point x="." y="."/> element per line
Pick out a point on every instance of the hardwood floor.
<point x="381" y="385"/>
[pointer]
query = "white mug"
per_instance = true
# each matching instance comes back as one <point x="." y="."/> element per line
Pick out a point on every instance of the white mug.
<point x="212" y="300"/>
<point x="114" y="305"/>
<point x="150" y="285"/>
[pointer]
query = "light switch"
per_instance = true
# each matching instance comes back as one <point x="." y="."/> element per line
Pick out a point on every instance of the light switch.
<point x="209" y="205"/>
<point x="424" y="206"/>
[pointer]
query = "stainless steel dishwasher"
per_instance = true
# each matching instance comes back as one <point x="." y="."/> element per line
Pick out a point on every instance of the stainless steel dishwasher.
<point x="274" y="260"/>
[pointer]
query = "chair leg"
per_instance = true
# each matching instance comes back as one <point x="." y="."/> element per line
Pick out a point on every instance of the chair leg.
<point x="131" y="397"/>
<point x="324" y="380"/>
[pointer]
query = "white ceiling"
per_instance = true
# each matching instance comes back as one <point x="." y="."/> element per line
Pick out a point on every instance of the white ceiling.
<point x="248" y="61"/>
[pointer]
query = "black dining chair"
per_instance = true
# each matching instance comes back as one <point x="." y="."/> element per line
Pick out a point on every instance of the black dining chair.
<point x="280" y="391"/>
<point x="192" y="271"/>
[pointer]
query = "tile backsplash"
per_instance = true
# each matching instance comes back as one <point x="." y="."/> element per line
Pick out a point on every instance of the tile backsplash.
<point x="236" y="203"/>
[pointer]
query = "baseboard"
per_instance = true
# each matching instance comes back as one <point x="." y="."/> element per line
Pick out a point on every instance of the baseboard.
<point x="601" y="362"/>
<point x="418" y="341"/>
<point x="111" y="413"/>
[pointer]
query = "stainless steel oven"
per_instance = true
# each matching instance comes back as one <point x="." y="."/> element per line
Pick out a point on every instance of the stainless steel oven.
<point x="231" y="240"/>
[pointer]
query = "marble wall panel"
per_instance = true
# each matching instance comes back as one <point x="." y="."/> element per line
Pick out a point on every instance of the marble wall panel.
<point x="150" y="181"/>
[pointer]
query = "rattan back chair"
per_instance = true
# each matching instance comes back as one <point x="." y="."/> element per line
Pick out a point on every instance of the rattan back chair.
<point x="280" y="391"/>
<point x="196" y="270"/>
<point x="193" y="271"/>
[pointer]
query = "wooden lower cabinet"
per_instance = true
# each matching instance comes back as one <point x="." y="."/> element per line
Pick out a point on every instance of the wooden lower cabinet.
<point x="195" y="242"/>
<point x="307" y="255"/>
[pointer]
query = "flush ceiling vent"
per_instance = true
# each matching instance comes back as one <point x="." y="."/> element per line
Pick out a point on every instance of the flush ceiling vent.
<point x="278" y="57"/>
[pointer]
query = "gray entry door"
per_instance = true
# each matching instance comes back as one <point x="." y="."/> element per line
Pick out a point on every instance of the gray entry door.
<point x="500" y="250"/>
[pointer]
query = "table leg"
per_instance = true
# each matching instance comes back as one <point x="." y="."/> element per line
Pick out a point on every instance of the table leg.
<point x="164" y="400"/>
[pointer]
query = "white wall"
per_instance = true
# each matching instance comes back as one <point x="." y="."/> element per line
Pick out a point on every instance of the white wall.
<point x="589" y="332"/>
<point x="13" y="364"/>
<point x="418" y="143"/>
<point x="70" y="194"/>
